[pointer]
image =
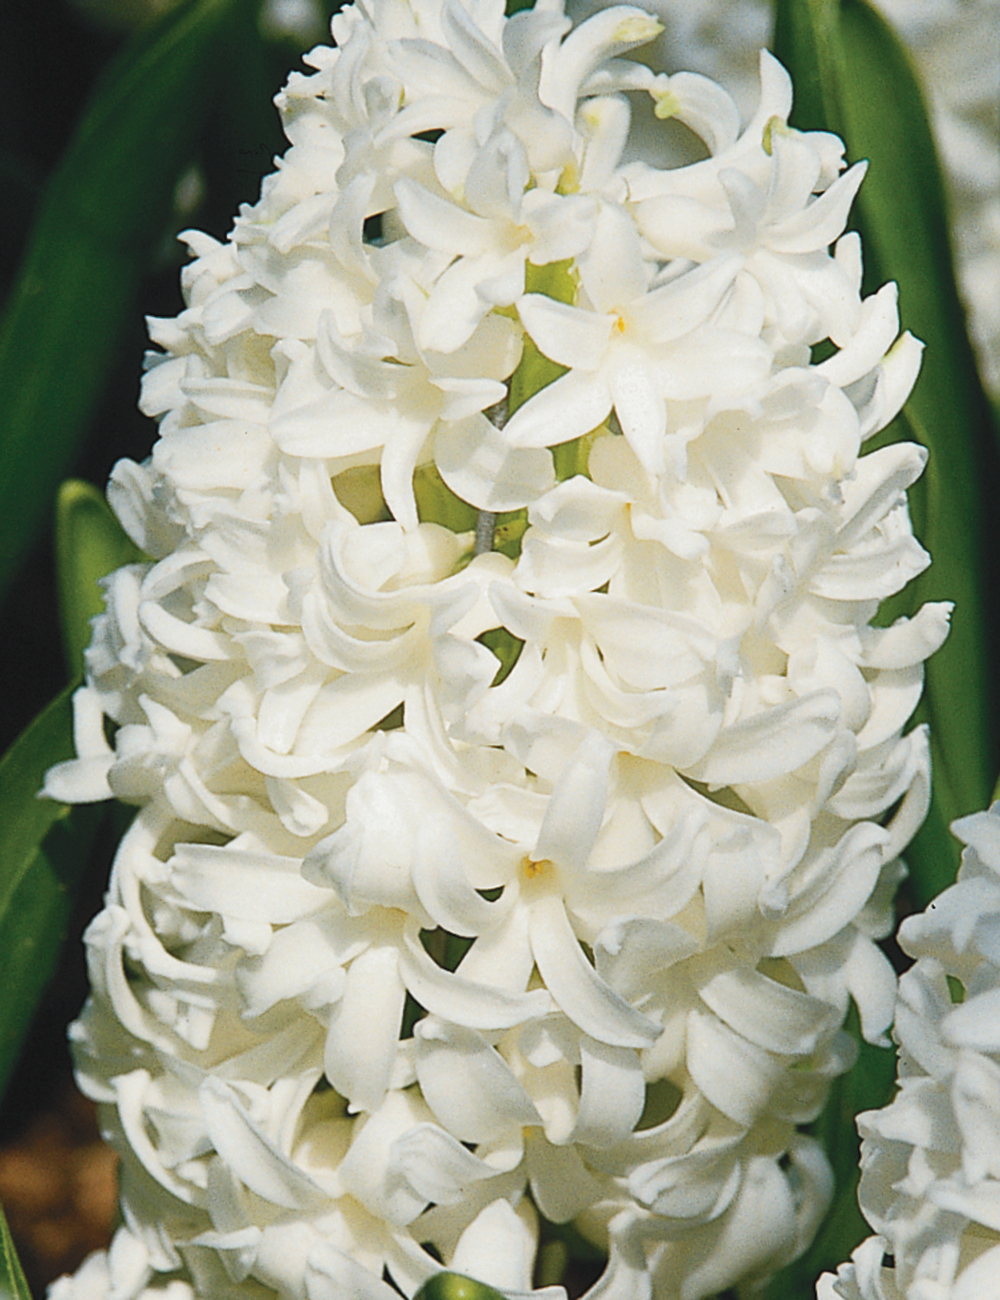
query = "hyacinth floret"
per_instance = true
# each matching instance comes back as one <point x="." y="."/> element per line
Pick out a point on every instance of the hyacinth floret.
<point x="520" y="774"/>
<point x="930" y="1182"/>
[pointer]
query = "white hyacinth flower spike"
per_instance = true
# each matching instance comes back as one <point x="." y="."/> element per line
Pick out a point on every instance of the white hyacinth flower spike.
<point x="520" y="771"/>
<point x="930" y="1160"/>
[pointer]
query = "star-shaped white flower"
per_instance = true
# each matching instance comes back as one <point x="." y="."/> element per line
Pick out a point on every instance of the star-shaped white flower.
<point x="632" y="347"/>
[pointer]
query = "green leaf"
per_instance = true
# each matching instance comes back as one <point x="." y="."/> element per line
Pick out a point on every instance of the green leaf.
<point x="806" y="40"/>
<point x="44" y="849"/>
<point x="106" y="208"/>
<point x="453" y="1286"/>
<point x="12" y="1283"/>
<point x="852" y="75"/>
<point x="90" y="543"/>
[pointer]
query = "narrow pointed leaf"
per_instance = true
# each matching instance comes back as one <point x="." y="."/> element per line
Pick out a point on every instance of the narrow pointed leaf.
<point x="12" y="1283"/>
<point x="106" y="208"/>
<point x="90" y="543"/>
<point x="807" y="41"/>
<point x="44" y="849"/>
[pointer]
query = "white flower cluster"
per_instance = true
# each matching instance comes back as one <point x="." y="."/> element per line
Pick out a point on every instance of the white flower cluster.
<point x="930" y="1183"/>
<point x="496" y="867"/>
<point x="955" y="47"/>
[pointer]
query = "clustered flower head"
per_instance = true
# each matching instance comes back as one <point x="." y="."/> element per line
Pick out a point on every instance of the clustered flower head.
<point x="930" y="1183"/>
<point x="520" y="775"/>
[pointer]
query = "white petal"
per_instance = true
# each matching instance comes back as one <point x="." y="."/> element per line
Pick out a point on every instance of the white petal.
<point x="678" y="307"/>
<point x="612" y="270"/>
<point x="834" y="893"/>
<point x="909" y="640"/>
<point x="646" y="647"/>
<point x="498" y="1247"/>
<point x="627" y="1276"/>
<point x="549" y="566"/>
<point x="298" y="957"/>
<point x="629" y="952"/>
<point x="570" y="335"/>
<point x="575" y="985"/>
<point x="399" y="459"/>
<point x="900" y="367"/>
<point x="759" y="1229"/>
<point x="475" y="52"/>
<point x="441" y="225"/>
<point x="363" y="1037"/>
<point x="251" y="1155"/>
<point x="734" y="1075"/>
<point x="879" y="326"/>
<point x="612" y="1094"/>
<point x="471" y="1089"/>
<point x="575" y="811"/>
<point x="706" y="108"/>
<point x="974" y="1024"/>
<point x="769" y="1014"/>
<point x="818" y="224"/>
<point x="773" y="743"/>
<point x="436" y="1165"/>
<point x="560" y="1182"/>
<point x="640" y="407"/>
<point x="877" y="487"/>
<point x="465" y="397"/>
<point x="330" y="1274"/>
<point x="571" y="406"/>
<point x="453" y="997"/>
<point x="241" y="883"/>
<point x="502" y="957"/>
<point x="871" y="982"/>
<point x="182" y="638"/>
<point x="79" y="780"/>
<point x="479" y="464"/>
<point x="464" y="294"/>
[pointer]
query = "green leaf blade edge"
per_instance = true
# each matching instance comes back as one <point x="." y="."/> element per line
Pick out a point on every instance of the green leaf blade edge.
<point x="105" y="209"/>
<point x="44" y="850"/>
<point x="12" y="1281"/>
<point x="89" y="543"/>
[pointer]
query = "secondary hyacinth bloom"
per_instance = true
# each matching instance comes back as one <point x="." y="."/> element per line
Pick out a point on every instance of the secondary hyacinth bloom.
<point x="930" y="1160"/>
<point x="494" y="871"/>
